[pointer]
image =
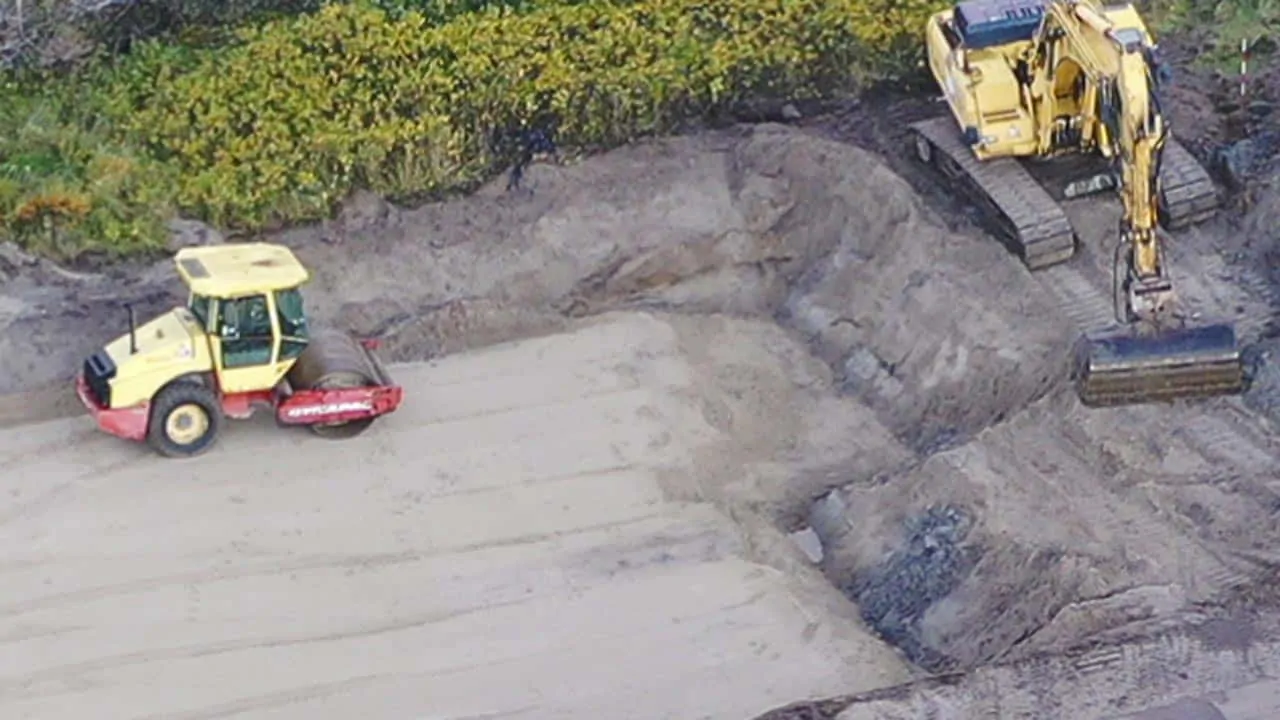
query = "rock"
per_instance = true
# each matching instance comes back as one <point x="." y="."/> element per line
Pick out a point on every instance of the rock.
<point x="790" y="112"/>
<point x="809" y="543"/>
<point x="11" y="309"/>
<point x="1235" y="161"/>
<point x="192" y="233"/>
<point x="15" y="257"/>
<point x="12" y="260"/>
<point x="927" y="565"/>
<point x="364" y="211"/>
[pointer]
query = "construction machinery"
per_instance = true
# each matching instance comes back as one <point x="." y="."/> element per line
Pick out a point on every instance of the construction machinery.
<point x="241" y="342"/>
<point x="1032" y="83"/>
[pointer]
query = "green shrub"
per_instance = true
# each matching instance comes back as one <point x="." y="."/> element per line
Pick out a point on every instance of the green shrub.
<point x="301" y="111"/>
<point x="293" y="114"/>
<point x="67" y="186"/>
<point x="1222" y="23"/>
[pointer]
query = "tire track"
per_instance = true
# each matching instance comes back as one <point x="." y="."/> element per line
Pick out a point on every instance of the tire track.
<point x="323" y="562"/>
<point x="13" y="685"/>
<point x="1081" y="301"/>
<point x="241" y="706"/>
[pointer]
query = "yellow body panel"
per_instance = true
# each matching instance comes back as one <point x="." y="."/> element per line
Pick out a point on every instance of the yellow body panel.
<point x="250" y="379"/>
<point x="1081" y="50"/>
<point x="168" y="347"/>
<point x="982" y="90"/>
<point x="980" y="87"/>
<point x="235" y="270"/>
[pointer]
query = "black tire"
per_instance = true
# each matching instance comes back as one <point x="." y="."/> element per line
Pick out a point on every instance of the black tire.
<point x="192" y="400"/>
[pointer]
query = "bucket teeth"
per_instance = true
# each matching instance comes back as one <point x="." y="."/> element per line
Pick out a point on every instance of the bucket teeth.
<point x="1130" y="369"/>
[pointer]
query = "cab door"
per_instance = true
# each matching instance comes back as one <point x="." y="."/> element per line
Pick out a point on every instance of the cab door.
<point x="246" y="344"/>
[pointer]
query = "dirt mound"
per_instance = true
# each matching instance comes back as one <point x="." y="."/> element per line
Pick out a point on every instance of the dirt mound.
<point x="943" y="332"/>
<point x="795" y="438"/>
<point x="721" y="222"/>
<point x="967" y="527"/>
<point x="1055" y="528"/>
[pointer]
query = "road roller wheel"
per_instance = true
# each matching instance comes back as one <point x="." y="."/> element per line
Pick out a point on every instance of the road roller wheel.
<point x="338" y="380"/>
<point x="185" y="420"/>
<point x="333" y="361"/>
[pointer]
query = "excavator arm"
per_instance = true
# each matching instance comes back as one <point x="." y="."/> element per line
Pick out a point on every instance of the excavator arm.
<point x="1114" y="106"/>
<point x="1094" y="80"/>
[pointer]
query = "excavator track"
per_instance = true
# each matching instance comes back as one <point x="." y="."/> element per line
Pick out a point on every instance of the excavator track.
<point x="1190" y="196"/>
<point x="1025" y="215"/>
<point x="1114" y="366"/>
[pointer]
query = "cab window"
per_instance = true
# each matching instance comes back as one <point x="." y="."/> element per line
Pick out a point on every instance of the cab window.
<point x="293" y="319"/>
<point x="244" y="325"/>
<point x="293" y="323"/>
<point x="201" y="306"/>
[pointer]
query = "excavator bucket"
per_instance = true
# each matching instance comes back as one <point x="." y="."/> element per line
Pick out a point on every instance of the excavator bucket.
<point x="1124" y="369"/>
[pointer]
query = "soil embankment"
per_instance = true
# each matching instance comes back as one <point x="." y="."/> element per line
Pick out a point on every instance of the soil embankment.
<point x="871" y="363"/>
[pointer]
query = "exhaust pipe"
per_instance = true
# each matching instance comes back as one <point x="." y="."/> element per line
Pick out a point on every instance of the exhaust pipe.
<point x="133" y="329"/>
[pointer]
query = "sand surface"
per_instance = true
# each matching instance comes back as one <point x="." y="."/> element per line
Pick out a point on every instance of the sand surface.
<point x="500" y="547"/>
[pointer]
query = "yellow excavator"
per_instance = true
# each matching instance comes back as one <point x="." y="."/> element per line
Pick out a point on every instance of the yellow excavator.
<point x="1063" y="80"/>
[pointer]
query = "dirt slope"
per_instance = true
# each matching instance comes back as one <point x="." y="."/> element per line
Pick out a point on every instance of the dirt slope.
<point x="898" y="354"/>
<point x="502" y="545"/>
<point x="723" y="222"/>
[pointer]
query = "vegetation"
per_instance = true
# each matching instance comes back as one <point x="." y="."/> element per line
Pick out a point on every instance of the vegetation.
<point x="278" y="120"/>
<point x="405" y="97"/>
<point x="1223" y="25"/>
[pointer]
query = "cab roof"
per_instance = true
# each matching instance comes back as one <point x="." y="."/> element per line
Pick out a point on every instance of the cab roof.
<point x="239" y="269"/>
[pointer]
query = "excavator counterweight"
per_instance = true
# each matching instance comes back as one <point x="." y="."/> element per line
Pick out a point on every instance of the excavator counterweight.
<point x="1034" y="80"/>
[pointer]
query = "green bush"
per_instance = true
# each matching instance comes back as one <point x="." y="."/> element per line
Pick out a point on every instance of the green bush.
<point x="292" y="115"/>
<point x="1222" y="24"/>
<point x="289" y="120"/>
<point x="68" y="187"/>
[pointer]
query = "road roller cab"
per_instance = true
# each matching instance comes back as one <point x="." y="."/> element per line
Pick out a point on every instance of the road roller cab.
<point x="241" y="342"/>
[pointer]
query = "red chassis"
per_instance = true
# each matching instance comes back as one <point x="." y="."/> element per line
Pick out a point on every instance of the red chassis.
<point x="301" y="407"/>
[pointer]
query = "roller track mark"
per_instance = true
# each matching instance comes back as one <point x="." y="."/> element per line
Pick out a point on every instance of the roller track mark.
<point x="41" y="502"/>
<point x="314" y="563"/>
<point x="31" y="632"/>
<point x="15" y="684"/>
<point x="269" y="700"/>
<point x="49" y="497"/>
<point x="100" y="592"/>
<point x="87" y="438"/>
<point x="63" y="673"/>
